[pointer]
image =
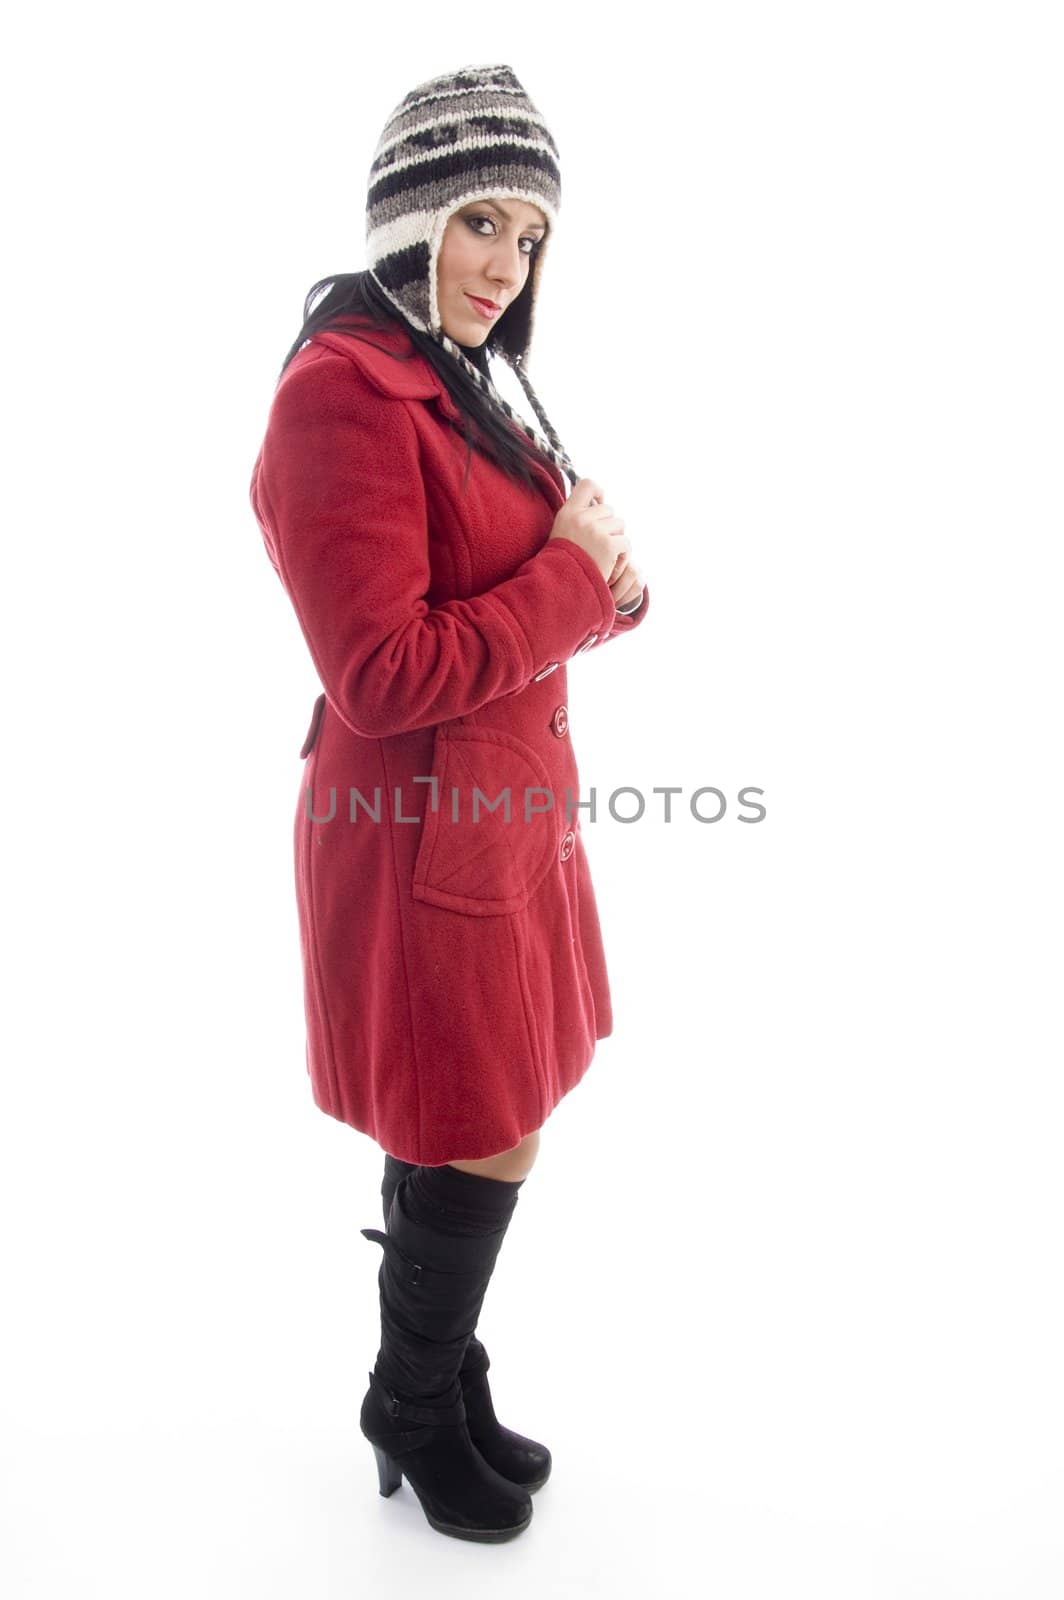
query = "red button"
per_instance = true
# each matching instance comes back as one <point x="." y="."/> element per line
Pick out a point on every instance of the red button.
<point x="568" y="845"/>
<point x="560" y="722"/>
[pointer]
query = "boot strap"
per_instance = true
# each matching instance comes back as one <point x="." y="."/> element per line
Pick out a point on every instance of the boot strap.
<point x="410" y="1412"/>
<point x="413" y="1271"/>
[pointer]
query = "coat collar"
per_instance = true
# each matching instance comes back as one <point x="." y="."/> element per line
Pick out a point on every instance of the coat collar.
<point x="408" y="378"/>
<point x="412" y="378"/>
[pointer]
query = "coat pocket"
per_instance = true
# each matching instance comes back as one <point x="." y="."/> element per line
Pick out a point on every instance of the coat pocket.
<point x="486" y="846"/>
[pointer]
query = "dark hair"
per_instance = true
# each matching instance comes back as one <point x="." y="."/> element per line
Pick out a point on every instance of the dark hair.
<point x="353" y="300"/>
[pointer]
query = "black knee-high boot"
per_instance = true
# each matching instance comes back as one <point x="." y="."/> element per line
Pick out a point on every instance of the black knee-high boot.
<point x="394" y="1169"/>
<point x="522" y="1460"/>
<point x="445" y="1230"/>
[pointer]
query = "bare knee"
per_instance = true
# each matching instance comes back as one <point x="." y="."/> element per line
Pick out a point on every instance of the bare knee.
<point x="509" y="1165"/>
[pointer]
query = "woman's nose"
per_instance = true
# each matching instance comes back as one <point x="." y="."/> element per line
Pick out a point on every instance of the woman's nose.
<point x="506" y="266"/>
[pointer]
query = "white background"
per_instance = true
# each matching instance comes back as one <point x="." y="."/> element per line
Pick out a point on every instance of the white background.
<point x="783" y="1290"/>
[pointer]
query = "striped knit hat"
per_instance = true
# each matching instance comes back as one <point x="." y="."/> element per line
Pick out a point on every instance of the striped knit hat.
<point x="468" y="135"/>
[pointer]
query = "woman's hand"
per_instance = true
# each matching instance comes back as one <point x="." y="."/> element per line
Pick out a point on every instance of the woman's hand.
<point x="626" y="583"/>
<point x="590" y="524"/>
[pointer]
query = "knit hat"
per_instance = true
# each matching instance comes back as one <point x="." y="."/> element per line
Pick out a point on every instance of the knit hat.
<point x="468" y="135"/>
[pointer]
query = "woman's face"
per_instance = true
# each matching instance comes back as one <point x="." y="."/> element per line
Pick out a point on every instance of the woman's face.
<point x="485" y="253"/>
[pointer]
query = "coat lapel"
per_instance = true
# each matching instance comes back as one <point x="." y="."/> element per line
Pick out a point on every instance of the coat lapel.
<point x="415" y="379"/>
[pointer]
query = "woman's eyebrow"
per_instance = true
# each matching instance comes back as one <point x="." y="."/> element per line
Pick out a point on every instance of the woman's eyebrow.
<point x="505" y="215"/>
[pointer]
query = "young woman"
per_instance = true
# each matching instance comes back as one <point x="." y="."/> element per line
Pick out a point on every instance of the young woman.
<point x="454" y="974"/>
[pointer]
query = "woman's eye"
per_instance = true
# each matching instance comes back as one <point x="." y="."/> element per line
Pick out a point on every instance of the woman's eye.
<point x="531" y="243"/>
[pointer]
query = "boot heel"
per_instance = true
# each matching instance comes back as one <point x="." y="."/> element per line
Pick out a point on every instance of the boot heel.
<point x="389" y="1473"/>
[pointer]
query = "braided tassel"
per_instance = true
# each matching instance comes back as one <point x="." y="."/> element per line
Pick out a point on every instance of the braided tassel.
<point x="554" y="449"/>
<point x="533" y="398"/>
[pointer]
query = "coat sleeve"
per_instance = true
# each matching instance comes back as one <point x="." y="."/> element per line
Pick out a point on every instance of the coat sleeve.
<point x="623" y="622"/>
<point x="339" y="495"/>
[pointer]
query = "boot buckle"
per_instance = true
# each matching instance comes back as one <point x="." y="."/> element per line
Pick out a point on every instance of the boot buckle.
<point x="377" y="1237"/>
<point x="387" y="1397"/>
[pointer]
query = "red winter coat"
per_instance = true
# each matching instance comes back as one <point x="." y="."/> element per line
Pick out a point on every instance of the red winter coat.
<point x="454" y="976"/>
